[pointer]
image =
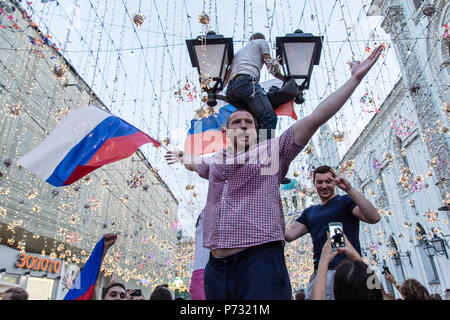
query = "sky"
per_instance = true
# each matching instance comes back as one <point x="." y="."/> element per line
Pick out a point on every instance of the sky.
<point x="137" y="69"/>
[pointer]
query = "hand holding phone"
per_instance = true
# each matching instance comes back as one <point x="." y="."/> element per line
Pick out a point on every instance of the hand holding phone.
<point x="336" y="235"/>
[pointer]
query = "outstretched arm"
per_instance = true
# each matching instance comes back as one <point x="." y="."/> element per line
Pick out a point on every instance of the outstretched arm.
<point x="295" y="231"/>
<point x="306" y="127"/>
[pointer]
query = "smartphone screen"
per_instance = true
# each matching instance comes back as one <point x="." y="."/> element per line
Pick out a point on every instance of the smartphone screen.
<point x="336" y="235"/>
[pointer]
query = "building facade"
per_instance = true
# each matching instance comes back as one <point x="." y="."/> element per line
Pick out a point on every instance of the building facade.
<point x="400" y="160"/>
<point x="38" y="87"/>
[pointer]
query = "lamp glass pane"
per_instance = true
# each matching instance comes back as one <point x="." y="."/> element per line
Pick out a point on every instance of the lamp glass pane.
<point x="437" y="244"/>
<point x="299" y="57"/>
<point x="210" y="60"/>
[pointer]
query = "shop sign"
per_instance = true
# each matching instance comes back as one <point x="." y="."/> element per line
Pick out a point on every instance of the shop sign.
<point x="38" y="263"/>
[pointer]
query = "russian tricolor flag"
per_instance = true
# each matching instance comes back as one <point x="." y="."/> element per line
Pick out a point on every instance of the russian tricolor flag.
<point x="206" y="135"/>
<point x="84" y="284"/>
<point x="86" y="139"/>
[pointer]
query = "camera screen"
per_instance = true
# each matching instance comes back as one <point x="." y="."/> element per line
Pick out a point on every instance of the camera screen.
<point x="336" y="237"/>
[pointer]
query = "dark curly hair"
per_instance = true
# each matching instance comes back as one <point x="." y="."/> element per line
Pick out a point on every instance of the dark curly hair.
<point x="411" y="289"/>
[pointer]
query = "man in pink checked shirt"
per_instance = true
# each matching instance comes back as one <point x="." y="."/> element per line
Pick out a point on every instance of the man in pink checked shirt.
<point x="244" y="223"/>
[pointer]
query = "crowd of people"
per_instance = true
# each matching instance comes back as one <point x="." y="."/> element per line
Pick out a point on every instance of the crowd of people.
<point x="114" y="291"/>
<point x="243" y="228"/>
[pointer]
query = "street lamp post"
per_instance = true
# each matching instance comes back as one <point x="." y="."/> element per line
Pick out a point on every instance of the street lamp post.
<point x="397" y="258"/>
<point x="211" y="55"/>
<point x="439" y="245"/>
<point x="298" y="53"/>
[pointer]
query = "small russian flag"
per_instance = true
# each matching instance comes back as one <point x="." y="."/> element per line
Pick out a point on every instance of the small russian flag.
<point x="84" y="284"/>
<point x="86" y="139"/>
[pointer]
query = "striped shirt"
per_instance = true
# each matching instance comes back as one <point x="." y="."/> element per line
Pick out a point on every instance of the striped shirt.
<point x="244" y="208"/>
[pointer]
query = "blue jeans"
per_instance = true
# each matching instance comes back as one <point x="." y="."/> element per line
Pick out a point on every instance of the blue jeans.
<point x="330" y="285"/>
<point x="246" y="93"/>
<point x="257" y="273"/>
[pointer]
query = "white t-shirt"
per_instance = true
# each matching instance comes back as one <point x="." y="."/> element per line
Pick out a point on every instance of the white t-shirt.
<point x="248" y="60"/>
<point x="201" y="255"/>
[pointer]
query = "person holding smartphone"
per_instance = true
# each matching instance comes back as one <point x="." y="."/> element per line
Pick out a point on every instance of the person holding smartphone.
<point x="347" y="210"/>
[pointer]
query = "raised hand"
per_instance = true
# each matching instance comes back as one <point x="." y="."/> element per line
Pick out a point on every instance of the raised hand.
<point x="342" y="183"/>
<point x="360" y="69"/>
<point x="109" y="239"/>
<point x="67" y="283"/>
<point x="327" y="252"/>
<point x="349" y="250"/>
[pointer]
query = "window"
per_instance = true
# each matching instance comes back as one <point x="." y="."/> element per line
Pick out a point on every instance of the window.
<point x="39" y="289"/>
<point x="294" y="201"/>
<point x="417" y="3"/>
<point x="399" y="273"/>
<point x="10" y="278"/>
<point x="428" y="262"/>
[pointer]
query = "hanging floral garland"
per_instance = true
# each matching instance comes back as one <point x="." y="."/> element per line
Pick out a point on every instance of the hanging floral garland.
<point x="186" y="94"/>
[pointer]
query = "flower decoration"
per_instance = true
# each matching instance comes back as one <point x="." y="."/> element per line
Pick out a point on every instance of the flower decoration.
<point x="405" y="176"/>
<point x="73" y="237"/>
<point x="368" y="104"/>
<point x="431" y="215"/>
<point x="203" y="18"/>
<point x="92" y="204"/>
<point x="417" y="184"/>
<point x="145" y="239"/>
<point x="15" y="110"/>
<point x="403" y="127"/>
<point x="188" y="93"/>
<point x="137" y="179"/>
<point x="176" y="225"/>
<point x="446" y="34"/>
<point x="138" y="19"/>
<point x="166" y="141"/>
<point x="376" y="165"/>
<point x="338" y="136"/>
<point x="347" y="168"/>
